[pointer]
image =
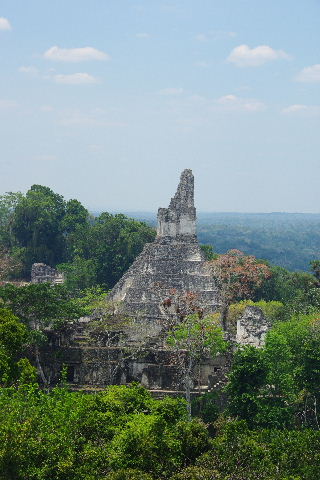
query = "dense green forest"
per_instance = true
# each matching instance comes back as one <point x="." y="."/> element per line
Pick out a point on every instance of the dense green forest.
<point x="264" y="424"/>
<point x="41" y="226"/>
<point x="290" y="240"/>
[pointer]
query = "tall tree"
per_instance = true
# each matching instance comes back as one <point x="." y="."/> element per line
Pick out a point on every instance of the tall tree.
<point x="114" y="242"/>
<point x="192" y="336"/>
<point x="238" y="276"/>
<point x="8" y="203"/>
<point x="37" y="226"/>
<point x="41" y="305"/>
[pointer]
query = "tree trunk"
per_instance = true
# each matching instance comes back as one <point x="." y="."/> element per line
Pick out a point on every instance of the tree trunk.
<point x="224" y="316"/>
<point x="39" y="367"/>
<point x="188" y="385"/>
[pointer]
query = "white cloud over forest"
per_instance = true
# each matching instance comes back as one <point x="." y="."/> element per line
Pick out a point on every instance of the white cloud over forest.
<point x="244" y="56"/>
<point x="75" y="54"/>
<point x="309" y="74"/>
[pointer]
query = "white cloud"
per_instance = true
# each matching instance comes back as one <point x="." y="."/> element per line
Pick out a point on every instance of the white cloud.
<point x="244" y="56"/>
<point x="4" y="24"/>
<point x="46" y="108"/>
<point x="75" y="79"/>
<point x="142" y="35"/>
<point x="171" y="91"/>
<point x="201" y="37"/>
<point x="76" y="118"/>
<point x="214" y="35"/>
<point x="234" y="103"/>
<point x="75" y="54"/>
<point x="301" y="109"/>
<point x="309" y="74"/>
<point x="45" y="158"/>
<point x="202" y="64"/>
<point x="7" y="104"/>
<point x="29" y="70"/>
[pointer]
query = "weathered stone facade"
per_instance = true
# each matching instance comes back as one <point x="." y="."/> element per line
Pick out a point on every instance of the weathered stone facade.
<point x="173" y="261"/>
<point x="40" y="273"/>
<point x="95" y="361"/>
<point x="252" y="327"/>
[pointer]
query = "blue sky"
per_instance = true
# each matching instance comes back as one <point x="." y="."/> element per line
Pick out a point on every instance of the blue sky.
<point x="108" y="100"/>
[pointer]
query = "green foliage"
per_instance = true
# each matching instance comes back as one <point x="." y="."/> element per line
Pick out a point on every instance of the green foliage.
<point x="195" y="337"/>
<point x="128" y="474"/>
<point x="104" y="250"/>
<point x="208" y="252"/>
<point x="247" y="376"/>
<point x="8" y="203"/>
<point x="273" y="310"/>
<point x="13" y="337"/>
<point x="41" y="303"/>
<point x="315" y="267"/>
<point x="114" y="434"/>
<point x="113" y="243"/>
<point x="241" y="454"/>
<point x="197" y="473"/>
<point x="41" y="226"/>
<point x="206" y="407"/>
<point x="27" y="372"/>
<point x="37" y="226"/>
<point x="13" y="334"/>
<point x="198" y="335"/>
<point x="299" y="291"/>
<point x="80" y="273"/>
<point x="278" y="386"/>
<point x="288" y="240"/>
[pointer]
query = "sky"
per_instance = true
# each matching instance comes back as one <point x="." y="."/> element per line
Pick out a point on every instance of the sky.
<point x="108" y="101"/>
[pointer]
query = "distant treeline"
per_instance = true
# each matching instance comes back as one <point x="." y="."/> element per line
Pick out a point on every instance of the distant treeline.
<point x="290" y="240"/>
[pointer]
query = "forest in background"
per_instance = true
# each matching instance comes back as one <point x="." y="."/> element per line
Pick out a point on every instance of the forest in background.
<point x="290" y="240"/>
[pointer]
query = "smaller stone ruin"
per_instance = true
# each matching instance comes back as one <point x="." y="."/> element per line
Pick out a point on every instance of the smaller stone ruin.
<point x="252" y="327"/>
<point x="41" y="273"/>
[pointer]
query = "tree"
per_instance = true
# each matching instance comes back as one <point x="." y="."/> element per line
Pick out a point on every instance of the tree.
<point x="39" y="306"/>
<point x="192" y="335"/>
<point x="37" y="226"/>
<point x="278" y="386"/>
<point x="75" y="436"/>
<point x="299" y="291"/>
<point x="80" y="273"/>
<point x="113" y="243"/>
<point x="315" y="267"/>
<point x="8" y="203"/>
<point x="8" y="264"/>
<point x="13" y="338"/>
<point x="238" y="276"/>
<point x="248" y="375"/>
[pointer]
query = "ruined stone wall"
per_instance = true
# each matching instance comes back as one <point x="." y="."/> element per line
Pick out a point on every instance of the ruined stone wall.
<point x="40" y="273"/>
<point x="180" y="217"/>
<point x="96" y="362"/>
<point x="252" y="327"/>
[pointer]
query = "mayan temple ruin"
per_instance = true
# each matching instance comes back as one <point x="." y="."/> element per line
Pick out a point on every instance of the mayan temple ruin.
<point x="125" y="340"/>
<point x="174" y="261"/>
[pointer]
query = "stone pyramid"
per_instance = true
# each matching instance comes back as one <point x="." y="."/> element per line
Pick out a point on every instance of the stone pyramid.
<point x="173" y="261"/>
